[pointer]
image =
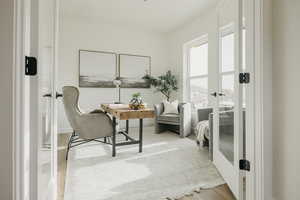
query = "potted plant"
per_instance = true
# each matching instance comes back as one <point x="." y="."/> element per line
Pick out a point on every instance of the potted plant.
<point x="166" y="84"/>
<point x="136" y="102"/>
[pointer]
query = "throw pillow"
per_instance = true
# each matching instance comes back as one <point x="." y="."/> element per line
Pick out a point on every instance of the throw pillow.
<point x="170" y="107"/>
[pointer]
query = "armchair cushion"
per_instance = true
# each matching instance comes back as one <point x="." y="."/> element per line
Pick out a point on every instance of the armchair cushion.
<point x="174" y="118"/>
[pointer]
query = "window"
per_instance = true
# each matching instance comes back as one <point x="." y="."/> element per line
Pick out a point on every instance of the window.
<point x="197" y="79"/>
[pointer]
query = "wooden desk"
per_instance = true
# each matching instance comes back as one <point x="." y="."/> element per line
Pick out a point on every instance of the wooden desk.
<point x="123" y="112"/>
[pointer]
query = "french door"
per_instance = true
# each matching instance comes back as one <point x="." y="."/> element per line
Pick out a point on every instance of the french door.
<point x="43" y="25"/>
<point x="228" y="112"/>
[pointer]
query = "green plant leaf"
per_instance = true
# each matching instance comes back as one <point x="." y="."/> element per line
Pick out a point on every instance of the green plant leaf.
<point x="165" y="84"/>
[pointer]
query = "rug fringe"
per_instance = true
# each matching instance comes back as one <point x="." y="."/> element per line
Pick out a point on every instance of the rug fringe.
<point x="196" y="190"/>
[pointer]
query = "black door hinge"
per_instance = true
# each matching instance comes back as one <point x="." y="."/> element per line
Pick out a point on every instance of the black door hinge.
<point x="245" y="165"/>
<point x="30" y="66"/>
<point x="244" y="78"/>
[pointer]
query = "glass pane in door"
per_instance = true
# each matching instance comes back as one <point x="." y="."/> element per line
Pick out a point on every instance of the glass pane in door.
<point x="226" y="97"/>
<point x="46" y="57"/>
<point x="227" y="42"/>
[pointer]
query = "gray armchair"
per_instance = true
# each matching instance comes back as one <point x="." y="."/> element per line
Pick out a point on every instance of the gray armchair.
<point x="179" y="123"/>
<point x="86" y="127"/>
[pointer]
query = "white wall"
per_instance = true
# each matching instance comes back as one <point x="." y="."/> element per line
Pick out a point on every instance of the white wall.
<point x="286" y="98"/>
<point x="86" y="34"/>
<point x="267" y="99"/>
<point x="6" y="103"/>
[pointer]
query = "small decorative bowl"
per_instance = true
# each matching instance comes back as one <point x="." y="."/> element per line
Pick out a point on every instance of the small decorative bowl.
<point x="136" y="106"/>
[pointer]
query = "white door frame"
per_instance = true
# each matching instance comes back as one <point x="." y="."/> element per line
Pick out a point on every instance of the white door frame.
<point x="25" y="173"/>
<point x="258" y="181"/>
<point x="255" y="179"/>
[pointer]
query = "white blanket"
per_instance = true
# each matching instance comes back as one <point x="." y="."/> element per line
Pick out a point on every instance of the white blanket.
<point x="202" y="129"/>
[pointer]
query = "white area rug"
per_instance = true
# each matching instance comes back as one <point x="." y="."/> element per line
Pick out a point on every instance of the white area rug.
<point x="168" y="167"/>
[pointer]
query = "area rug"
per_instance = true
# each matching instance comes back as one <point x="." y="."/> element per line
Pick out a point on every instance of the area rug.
<point x="169" y="166"/>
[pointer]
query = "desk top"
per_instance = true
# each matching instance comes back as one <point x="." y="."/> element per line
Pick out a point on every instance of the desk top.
<point x="123" y="112"/>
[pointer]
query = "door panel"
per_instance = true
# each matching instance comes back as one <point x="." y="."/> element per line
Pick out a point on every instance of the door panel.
<point x="228" y="134"/>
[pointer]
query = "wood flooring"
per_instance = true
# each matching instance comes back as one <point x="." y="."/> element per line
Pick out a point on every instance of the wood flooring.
<point x="219" y="193"/>
<point x="62" y="164"/>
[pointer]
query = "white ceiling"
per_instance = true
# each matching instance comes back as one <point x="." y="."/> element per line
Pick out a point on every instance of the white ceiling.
<point x="156" y="15"/>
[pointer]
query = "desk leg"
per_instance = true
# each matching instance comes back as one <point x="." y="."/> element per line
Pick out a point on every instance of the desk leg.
<point x="127" y="129"/>
<point x="114" y="137"/>
<point x="141" y="136"/>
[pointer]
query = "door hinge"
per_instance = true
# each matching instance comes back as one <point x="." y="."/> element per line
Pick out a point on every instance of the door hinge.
<point x="30" y="66"/>
<point x="244" y="78"/>
<point x="245" y="165"/>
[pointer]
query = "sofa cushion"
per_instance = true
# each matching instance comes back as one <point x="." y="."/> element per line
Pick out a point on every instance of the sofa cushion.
<point x="174" y="118"/>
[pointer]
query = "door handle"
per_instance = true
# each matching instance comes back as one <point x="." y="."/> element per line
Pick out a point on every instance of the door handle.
<point x="214" y="94"/>
<point x="48" y="95"/>
<point x="58" y="95"/>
